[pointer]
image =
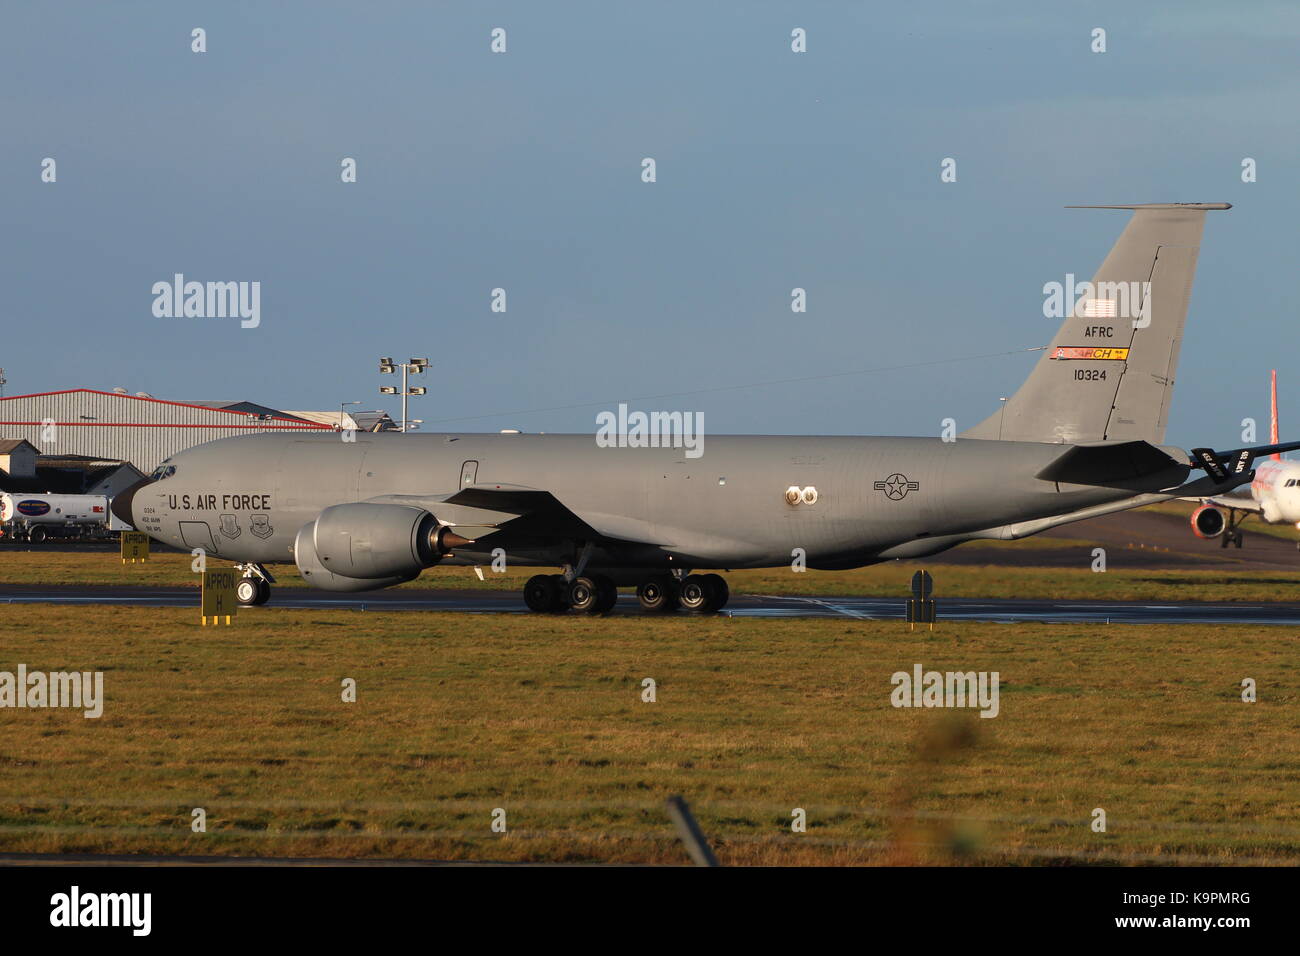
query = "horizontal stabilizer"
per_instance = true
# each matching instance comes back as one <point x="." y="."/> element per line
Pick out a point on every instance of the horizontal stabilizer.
<point x="1238" y="461"/>
<point x="1161" y="205"/>
<point x="1116" y="463"/>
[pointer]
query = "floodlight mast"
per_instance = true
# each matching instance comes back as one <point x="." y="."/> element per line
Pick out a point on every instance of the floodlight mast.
<point x="415" y="366"/>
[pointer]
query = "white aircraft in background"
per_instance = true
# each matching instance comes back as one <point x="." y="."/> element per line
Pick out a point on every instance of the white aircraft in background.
<point x="1274" y="496"/>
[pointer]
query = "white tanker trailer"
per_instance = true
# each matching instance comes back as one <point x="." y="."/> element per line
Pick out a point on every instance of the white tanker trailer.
<point x="37" y="517"/>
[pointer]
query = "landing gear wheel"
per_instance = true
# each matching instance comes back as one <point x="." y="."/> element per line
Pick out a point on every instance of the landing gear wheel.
<point x="561" y="594"/>
<point x="582" y="594"/>
<point x="699" y="594"/>
<point x="607" y="594"/>
<point x="657" y="595"/>
<point x="721" y="592"/>
<point x="36" y="535"/>
<point x="251" y="592"/>
<point x="542" y="594"/>
<point x="593" y="595"/>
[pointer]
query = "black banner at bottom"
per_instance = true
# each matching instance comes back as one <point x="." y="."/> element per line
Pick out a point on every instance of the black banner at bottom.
<point x="330" y="904"/>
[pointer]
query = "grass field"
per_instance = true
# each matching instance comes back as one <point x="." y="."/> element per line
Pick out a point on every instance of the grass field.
<point x="881" y="580"/>
<point x="457" y="715"/>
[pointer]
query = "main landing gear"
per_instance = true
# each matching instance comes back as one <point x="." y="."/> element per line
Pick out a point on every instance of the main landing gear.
<point x="553" y="594"/>
<point x="658" y="594"/>
<point x="597" y="593"/>
<point x="704" y="593"/>
<point x="1231" y="536"/>
<point x="254" y="588"/>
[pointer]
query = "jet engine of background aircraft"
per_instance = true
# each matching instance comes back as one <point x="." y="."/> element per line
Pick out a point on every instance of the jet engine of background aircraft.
<point x="1274" y="497"/>
<point x="359" y="546"/>
<point x="1208" y="522"/>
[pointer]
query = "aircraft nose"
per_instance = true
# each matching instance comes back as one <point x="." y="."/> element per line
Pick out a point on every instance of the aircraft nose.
<point x="121" y="504"/>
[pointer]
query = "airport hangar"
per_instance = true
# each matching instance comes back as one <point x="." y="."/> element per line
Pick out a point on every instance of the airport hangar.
<point x="103" y="442"/>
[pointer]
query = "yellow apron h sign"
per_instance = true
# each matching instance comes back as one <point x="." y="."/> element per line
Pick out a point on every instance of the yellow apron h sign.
<point x="219" y="595"/>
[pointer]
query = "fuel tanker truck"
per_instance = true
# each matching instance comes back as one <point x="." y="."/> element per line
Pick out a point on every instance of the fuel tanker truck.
<point x="35" y="518"/>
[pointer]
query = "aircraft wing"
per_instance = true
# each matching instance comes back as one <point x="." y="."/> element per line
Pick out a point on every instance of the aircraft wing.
<point x="479" y="510"/>
<point x="531" y="511"/>
<point x="1233" y="502"/>
<point x="539" y="513"/>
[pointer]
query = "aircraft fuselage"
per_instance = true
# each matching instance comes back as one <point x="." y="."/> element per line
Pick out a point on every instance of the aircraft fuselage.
<point x="246" y="498"/>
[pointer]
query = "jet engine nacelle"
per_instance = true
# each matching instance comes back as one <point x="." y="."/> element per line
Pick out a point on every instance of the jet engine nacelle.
<point x="1208" y="522"/>
<point x="361" y="546"/>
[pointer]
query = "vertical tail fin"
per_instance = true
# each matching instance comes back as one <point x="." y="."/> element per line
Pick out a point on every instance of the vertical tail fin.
<point x="1273" y="439"/>
<point x="1109" y="373"/>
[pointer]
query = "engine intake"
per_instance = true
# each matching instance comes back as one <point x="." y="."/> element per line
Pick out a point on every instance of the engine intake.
<point x="1208" y="522"/>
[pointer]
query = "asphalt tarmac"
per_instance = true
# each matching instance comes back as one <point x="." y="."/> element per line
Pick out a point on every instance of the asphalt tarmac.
<point x="741" y="605"/>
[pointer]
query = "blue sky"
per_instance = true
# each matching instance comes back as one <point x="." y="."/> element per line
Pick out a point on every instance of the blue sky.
<point x="522" y="171"/>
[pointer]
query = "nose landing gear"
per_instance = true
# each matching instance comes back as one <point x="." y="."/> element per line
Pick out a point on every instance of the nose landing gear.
<point x="254" y="588"/>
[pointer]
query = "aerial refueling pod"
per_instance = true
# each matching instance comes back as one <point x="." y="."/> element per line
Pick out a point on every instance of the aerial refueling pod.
<point x="361" y="546"/>
<point x="1208" y="522"/>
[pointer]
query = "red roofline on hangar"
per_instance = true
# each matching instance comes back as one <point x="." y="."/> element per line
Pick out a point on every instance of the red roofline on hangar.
<point x="291" y="427"/>
<point x="297" y="423"/>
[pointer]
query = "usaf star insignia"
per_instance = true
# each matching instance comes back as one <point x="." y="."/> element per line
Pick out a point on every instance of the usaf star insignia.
<point x="896" y="486"/>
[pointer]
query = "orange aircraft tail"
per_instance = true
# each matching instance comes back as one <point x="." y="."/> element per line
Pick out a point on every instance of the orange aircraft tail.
<point x="1273" y="435"/>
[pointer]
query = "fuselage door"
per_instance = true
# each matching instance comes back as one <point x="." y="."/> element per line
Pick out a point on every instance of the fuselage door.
<point x="468" y="473"/>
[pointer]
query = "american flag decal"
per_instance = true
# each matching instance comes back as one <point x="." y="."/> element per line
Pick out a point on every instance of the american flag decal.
<point x="1098" y="309"/>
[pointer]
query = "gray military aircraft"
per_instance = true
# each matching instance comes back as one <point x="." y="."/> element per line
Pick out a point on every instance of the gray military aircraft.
<point x="1082" y="437"/>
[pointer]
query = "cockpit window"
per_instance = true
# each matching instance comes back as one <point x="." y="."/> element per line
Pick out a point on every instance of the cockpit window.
<point x="163" y="471"/>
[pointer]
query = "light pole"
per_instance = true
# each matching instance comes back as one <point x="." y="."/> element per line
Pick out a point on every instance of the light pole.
<point x="415" y="366"/>
<point x="342" y="413"/>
